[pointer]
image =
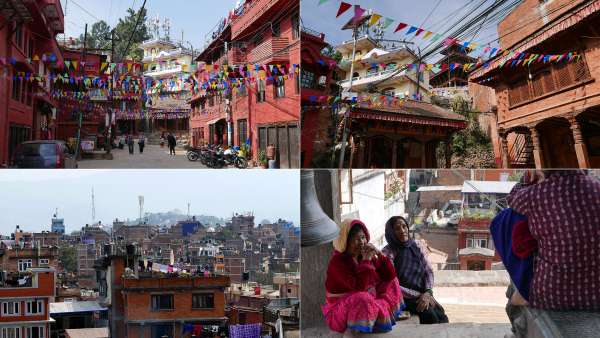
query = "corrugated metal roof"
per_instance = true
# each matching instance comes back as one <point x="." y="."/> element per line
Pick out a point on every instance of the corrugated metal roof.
<point x="488" y="187"/>
<point x="101" y="332"/>
<point x="441" y="188"/>
<point x="74" y="307"/>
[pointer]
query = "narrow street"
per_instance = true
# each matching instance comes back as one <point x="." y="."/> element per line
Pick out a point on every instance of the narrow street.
<point x="154" y="157"/>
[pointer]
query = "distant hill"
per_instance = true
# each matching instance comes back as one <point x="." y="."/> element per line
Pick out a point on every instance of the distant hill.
<point x="174" y="216"/>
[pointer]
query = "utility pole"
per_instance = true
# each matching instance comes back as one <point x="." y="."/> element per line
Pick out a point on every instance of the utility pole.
<point x="110" y="94"/>
<point x="81" y="68"/>
<point x="228" y="98"/>
<point x="346" y="120"/>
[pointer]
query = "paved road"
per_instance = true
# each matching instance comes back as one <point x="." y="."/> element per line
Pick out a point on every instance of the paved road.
<point x="154" y="157"/>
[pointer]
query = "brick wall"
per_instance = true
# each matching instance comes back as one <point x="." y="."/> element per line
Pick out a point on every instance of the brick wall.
<point x="529" y="16"/>
<point x="139" y="306"/>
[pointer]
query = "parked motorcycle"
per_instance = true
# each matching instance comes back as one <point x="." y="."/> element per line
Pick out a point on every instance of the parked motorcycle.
<point x="233" y="157"/>
<point x="193" y="154"/>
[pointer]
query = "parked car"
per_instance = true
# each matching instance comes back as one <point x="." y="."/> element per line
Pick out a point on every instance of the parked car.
<point x="44" y="155"/>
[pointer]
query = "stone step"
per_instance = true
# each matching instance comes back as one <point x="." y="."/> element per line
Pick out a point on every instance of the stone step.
<point x="459" y="330"/>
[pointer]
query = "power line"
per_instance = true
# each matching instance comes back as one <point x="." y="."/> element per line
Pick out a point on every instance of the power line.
<point x="86" y="11"/>
<point x="137" y="23"/>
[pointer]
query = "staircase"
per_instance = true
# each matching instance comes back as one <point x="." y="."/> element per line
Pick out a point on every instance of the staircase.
<point x="521" y="152"/>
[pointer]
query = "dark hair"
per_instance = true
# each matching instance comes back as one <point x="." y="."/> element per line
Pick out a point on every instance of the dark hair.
<point x="353" y="231"/>
<point x="390" y="235"/>
<point x="392" y="221"/>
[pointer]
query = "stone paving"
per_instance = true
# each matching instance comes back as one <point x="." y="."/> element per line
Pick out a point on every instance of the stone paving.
<point x="154" y="157"/>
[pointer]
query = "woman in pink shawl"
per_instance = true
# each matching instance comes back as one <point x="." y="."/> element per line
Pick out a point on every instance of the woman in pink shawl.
<point x="363" y="293"/>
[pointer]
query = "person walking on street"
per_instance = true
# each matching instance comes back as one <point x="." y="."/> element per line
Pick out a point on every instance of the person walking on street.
<point x="130" y="143"/>
<point x="142" y="143"/>
<point x="172" y="143"/>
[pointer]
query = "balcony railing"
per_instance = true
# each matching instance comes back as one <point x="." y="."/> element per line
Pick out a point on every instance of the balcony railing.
<point x="373" y="77"/>
<point x="271" y="50"/>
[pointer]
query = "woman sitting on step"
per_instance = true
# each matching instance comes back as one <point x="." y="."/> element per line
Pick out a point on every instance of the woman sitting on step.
<point x="363" y="293"/>
<point x="413" y="271"/>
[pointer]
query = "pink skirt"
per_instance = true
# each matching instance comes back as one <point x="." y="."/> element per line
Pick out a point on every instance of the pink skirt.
<point x="369" y="311"/>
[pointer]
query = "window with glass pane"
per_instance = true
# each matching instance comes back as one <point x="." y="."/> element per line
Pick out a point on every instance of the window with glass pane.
<point x="203" y="301"/>
<point x="10" y="308"/>
<point x="35" y="332"/>
<point x="34" y="307"/>
<point x="162" y="330"/>
<point x="307" y="79"/>
<point x="278" y="88"/>
<point x="11" y="332"/>
<point x="260" y="90"/>
<point x="162" y="302"/>
<point x="242" y="131"/>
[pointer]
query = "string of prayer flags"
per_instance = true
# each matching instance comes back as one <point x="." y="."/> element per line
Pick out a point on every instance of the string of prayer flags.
<point x="344" y="6"/>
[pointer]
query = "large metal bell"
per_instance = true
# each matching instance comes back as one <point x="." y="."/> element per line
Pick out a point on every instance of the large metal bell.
<point x="317" y="228"/>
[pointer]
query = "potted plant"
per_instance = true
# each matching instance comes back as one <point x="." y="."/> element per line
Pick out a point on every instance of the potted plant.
<point x="262" y="159"/>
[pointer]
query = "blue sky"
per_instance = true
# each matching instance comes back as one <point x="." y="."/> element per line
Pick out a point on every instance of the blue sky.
<point x="29" y="198"/>
<point x="194" y="17"/>
<point x="422" y="13"/>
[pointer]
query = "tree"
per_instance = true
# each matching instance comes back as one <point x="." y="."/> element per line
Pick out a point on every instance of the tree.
<point x="68" y="258"/>
<point x="332" y="53"/>
<point x="471" y="147"/>
<point x="99" y="36"/>
<point x="125" y="30"/>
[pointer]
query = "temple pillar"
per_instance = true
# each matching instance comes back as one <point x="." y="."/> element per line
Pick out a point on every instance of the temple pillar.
<point x="394" y="154"/>
<point x="504" y="150"/>
<point x="361" y="154"/>
<point x="580" y="147"/>
<point x="352" y="152"/>
<point x="424" y="155"/>
<point x="537" y="148"/>
<point x="448" y="152"/>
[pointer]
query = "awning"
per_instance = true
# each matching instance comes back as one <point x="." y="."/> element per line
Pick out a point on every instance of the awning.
<point x="476" y="251"/>
<point x="216" y="120"/>
<point x="441" y="188"/>
<point x="488" y="187"/>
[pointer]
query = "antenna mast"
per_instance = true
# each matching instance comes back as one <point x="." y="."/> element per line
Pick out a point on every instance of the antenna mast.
<point x="141" y="201"/>
<point x="93" y="206"/>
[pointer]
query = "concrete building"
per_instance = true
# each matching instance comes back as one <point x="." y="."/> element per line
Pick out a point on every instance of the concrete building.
<point x="24" y="303"/>
<point x="58" y="225"/>
<point x="20" y="256"/>
<point x="28" y="49"/>
<point x="547" y="112"/>
<point x="167" y="65"/>
<point x="264" y="111"/>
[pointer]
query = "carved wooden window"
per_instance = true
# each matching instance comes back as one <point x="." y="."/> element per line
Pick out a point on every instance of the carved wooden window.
<point x="548" y="80"/>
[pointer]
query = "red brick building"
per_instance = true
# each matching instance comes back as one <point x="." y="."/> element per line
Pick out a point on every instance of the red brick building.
<point x="24" y="306"/>
<point x="94" y="109"/>
<point x="265" y="112"/>
<point x="548" y="112"/>
<point x="152" y="304"/>
<point x="317" y="83"/>
<point x="28" y="50"/>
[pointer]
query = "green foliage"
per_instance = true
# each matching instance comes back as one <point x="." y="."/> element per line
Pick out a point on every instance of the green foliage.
<point x="98" y="37"/>
<point x="471" y="147"/>
<point x="100" y="34"/>
<point x="124" y="30"/>
<point x="68" y="258"/>
<point x="262" y="157"/>
<point x="332" y="53"/>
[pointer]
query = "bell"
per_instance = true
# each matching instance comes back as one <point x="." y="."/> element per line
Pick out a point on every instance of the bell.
<point x="317" y="228"/>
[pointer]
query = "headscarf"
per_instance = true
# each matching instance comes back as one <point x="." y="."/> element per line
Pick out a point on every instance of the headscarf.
<point x="409" y="261"/>
<point x="340" y="243"/>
